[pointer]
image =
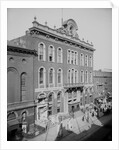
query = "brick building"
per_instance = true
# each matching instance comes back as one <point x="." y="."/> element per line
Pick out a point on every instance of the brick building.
<point x="60" y="76"/>
<point x="102" y="83"/>
<point x="20" y="101"/>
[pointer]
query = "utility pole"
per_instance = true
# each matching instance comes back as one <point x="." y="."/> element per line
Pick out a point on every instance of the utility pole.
<point x="61" y="16"/>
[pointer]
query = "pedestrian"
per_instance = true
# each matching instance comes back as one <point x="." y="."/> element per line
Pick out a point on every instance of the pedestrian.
<point x="60" y="130"/>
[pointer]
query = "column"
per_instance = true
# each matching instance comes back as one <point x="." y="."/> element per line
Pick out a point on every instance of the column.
<point x="78" y="96"/>
<point x="62" y="103"/>
<point x="66" y="102"/>
<point x="54" y="104"/>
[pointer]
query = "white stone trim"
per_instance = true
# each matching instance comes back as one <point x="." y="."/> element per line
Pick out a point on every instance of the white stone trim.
<point x="48" y="89"/>
<point x="44" y="77"/>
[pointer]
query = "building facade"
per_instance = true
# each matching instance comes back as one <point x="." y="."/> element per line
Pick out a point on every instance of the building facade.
<point x="62" y="74"/>
<point x="20" y="101"/>
<point x="102" y="84"/>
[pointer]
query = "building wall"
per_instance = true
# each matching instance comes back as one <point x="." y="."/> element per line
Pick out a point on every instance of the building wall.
<point x="102" y="83"/>
<point x="20" y="100"/>
<point x="52" y="37"/>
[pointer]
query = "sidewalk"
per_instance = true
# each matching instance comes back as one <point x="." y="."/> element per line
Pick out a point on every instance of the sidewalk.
<point x="78" y="126"/>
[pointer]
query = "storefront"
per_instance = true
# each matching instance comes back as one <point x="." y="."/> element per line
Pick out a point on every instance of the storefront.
<point x="41" y="109"/>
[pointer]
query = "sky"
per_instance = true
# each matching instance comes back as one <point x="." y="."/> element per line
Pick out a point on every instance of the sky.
<point x="94" y="25"/>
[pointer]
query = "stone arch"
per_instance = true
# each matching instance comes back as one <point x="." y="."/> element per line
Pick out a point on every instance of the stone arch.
<point x="13" y="114"/>
<point x="24" y="111"/>
<point x="50" y="93"/>
<point x="13" y="85"/>
<point x="41" y="93"/>
<point x="51" y="97"/>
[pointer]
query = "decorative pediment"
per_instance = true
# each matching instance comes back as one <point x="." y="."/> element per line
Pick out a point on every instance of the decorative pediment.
<point x="70" y="27"/>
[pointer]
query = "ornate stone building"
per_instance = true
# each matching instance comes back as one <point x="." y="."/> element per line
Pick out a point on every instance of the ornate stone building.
<point x="60" y="76"/>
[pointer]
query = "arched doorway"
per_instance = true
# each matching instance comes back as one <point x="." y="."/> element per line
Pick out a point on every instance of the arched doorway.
<point x="12" y="86"/>
<point x="50" y="103"/>
<point x="41" y="106"/>
<point x="59" y="98"/>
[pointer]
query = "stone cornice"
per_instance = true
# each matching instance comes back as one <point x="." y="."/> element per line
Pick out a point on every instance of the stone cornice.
<point x="54" y="34"/>
<point x="21" y="50"/>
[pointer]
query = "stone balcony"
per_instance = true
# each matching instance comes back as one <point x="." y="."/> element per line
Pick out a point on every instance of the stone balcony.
<point x="73" y="85"/>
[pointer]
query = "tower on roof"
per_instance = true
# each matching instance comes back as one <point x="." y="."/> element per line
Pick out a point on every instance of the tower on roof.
<point x="70" y="27"/>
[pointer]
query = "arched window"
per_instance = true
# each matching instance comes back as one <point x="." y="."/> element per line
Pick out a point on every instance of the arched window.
<point x="72" y="76"/>
<point x="59" y="76"/>
<point x="91" y="78"/>
<point x="90" y="62"/>
<point x="76" y="76"/>
<point x="82" y="76"/>
<point x="13" y="92"/>
<point x="50" y="98"/>
<point x="59" y="97"/>
<point x="59" y="55"/>
<point x="23" y="86"/>
<point x="41" y="51"/>
<point x="86" y="60"/>
<point x="72" y="57"/>
<point x="41" y="75"/>
<point x="76" y="58"/>
<point x="51" y="77"/>
<point x="86" y="77"/>
<point x="12" y="115"/>
<point x="68" y="56"/>
<point x="69" y="76"/>
<point x="51" y="53"/>
<point x="82" y="59"/>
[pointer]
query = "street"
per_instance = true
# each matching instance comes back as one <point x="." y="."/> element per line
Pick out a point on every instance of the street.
<point x="95" y="133"/>
<point x="100" y="130"/>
